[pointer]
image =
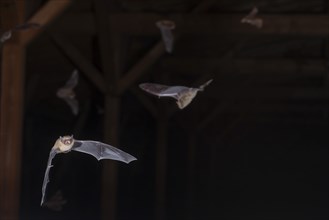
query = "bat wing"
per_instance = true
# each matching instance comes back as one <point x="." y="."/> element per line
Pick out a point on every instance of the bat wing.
<point x="162" y="90"/>
<point x="102" y="151"/>
<point x="52" y="154"/>
<point x="74" y="105"/>
<point x="73" y="81"/>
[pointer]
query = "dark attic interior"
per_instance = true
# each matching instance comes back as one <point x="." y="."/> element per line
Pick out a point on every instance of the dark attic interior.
<point x="252" y="145"/>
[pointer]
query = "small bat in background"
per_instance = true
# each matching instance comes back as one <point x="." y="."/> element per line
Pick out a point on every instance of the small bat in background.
<point x="56" y="202"/>
<point x="97" y="149"/>
<point x="183" y="95"/>
<point x="67" y="93"/>
<point x="22" y="27"/>
<point x="252" y="19"/>
<point x="166" y="27"/>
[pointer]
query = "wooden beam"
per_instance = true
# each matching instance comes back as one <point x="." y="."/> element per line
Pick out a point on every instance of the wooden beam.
<point x="161" y="166"/>
<point x="261" y="67"/>
<point x="47" y="14"/>
<point x="219" y="24"/>
<point x="140" y="67"/>
<point x="109" y="62"/>
<point x="11" y="122"/>
<point x="154" y="53"/>
<point x="203" y="24"/>
<point x="86" y="67"/>
<point x="11" y="115"/>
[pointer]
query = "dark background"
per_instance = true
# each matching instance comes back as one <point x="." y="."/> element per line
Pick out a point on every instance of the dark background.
<point x="260" y="134"/>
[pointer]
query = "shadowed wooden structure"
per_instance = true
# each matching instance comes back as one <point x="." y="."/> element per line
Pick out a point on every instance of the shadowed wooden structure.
<point x="276" y="73"/>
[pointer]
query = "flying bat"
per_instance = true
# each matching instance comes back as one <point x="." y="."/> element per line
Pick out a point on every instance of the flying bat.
<point x="22" y="27"/>
<point x="97" y="149"/>
<point x="183" y="95"/>
<point x="67" y="93"/>
<point x="252" y="19"/>
<point x="166" y="27"/>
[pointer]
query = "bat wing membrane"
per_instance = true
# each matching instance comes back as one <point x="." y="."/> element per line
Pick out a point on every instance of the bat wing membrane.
<point x="74" y="105"/>
<point x="162" y="90"/>
<point x="102" y="151"/>
<point x="73" y="81"/>
<point x="52" y="154"/>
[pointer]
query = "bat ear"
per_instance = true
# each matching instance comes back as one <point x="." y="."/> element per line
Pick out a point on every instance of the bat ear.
<point x="71" y="135"/>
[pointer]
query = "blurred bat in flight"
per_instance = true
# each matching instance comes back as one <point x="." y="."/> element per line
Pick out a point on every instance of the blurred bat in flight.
<point x="97" y="149"/>
<point x="22" y="27"/>
<point x="183" y="95"/>
<point x="252" y="19"/>
<point x="67" y="93"/>
<point x="56" y="202"/>
<point x="166" y="27"/>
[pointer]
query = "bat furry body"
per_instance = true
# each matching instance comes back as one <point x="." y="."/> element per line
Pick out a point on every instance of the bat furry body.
<point x="97" y="149"/>
<point x="183" y="95"/>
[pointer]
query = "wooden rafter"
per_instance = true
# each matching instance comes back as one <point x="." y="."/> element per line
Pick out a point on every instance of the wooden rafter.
<point x="205" y="24"/>
<point x="152" y="56"/>
<point x="80" y="61"/>
<point x="51" y="10"/>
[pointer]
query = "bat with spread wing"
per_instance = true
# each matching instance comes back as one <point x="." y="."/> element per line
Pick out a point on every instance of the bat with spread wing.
<point x="183" y="95"/>
<point x="67" y="93"/>
<point x="97" y="149"/>
<point x="252" y="19"/>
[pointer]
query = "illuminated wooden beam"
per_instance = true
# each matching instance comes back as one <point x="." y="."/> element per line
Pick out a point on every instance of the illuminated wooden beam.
<point x="47" y="14"/>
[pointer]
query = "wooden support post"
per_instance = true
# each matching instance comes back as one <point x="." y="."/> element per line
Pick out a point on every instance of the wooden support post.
<point x="11" y="115"/>
<point x="11" y="121"/>
<point x="109" y="49"/>
<point x="109" y="176"/>
<point x="161" y="167"/>
<point x="191" y="155"/>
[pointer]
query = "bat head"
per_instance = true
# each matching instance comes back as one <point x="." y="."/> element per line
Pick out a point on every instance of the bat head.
<point x="67" y="140"/>
<point x="65" y="143"/>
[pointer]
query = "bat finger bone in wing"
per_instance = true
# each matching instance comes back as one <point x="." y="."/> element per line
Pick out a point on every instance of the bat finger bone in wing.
<point x="97" y="149"/>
